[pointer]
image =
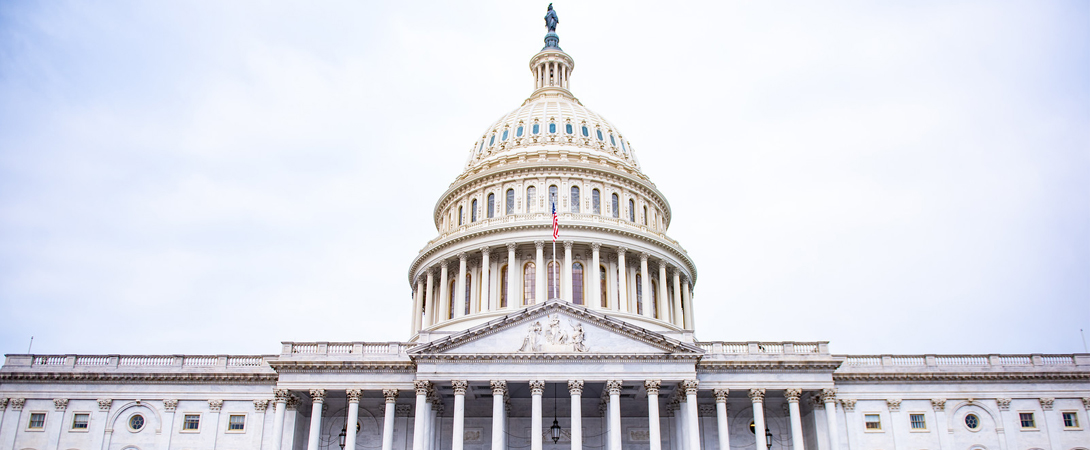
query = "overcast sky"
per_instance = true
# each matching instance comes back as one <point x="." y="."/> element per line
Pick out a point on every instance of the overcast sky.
<point x="216" y="177"/>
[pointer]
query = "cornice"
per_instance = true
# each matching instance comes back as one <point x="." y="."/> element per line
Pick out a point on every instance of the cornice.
<point x="928" y="377"/>
<point x="558" y="357"/>
<point x="343" y="366"/>
<point x="143" y="378"/>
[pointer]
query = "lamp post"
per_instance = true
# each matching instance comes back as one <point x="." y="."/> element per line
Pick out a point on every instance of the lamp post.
<point x="768" y="439"/>
<point x="555" y="429"/>
<point x="343" y="435"/>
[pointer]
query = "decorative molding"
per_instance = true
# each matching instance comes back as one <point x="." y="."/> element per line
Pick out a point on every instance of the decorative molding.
<point x="757" y="395"/>
<point x="137" y="378"/>
<point x="281" y="395"/>
<point x="215" y="405"/>
<point x="792" y="395"/>
<point x="293" y="402"/>
<point x="499" y="387"/>
<point x="3" y="404"/>
<point x="17" y="404"/>
<point x="705" y="410"/>
<point x="848" y="404"/>
<point x="894" y="404"/>
<point x="537" y="387"/>
<point x="459" y="386"/>
<point x="402" y="410"/>
<point x="828" y="395"/>
<point x="690" y="386"/>
<point x="1086" y="403"/>
<point x="938" y="404"/>
<point x="422" y="387"/>
<point x="359" y="367"/>
<point x="60" y="404"/>
<point x="317" y="395"/>
<point x="261" y="405"/>
<point x="721" y="395"/>
<point x="575" y="387"/>
<point x="932" y="377"/>
<point x="353" y="395"/>
<point x="1046" y="403"/>
<point x="1003" y="403"/>
<point x="390" y="395"/>
<point x="104" y="404"/>
<point x="652" y="386"/>
<point x="613" y="387"/>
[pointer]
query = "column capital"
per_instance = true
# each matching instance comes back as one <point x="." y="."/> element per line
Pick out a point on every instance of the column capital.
<point x="293" y="402"/>
<point x="621" y="251"/>
<point x="721" y="395"/>
<point x="261" y="405"/>
<point x="690" y="386"/>
<point x="575" y="387"/>
<point x="459" y="386"/>
<point x="485" y="250"/>
<point x="792" y="395"/>
<point x="61" y="404"/>
<point x="169" y="404"/>
<point x="443" y="264"/>
<point x="215" y="405"/>
<point x="757" y="395"/>
<point x="511" y="246"/>
<point x="539" y="244"/>
<point x="595" y="246"/>
<point x="462" y="257"/>
<point x="499" y="387"/>
<point x="422" y="387"/>
<point x="17" y="404"/>
<point x="938" y="404"/>
<point x="828" y="395"/>
<point x="281" y="395"/>
<point x="1046" y="403"/>
<point x="537" y="387"/>
<point x="3" y="403"/>
<point x="354" y="395"/>
<point x="652" y="386"/>
<point x="317" y="395"/>
<point x="568" y="245"/>
<point x="848" y="404"/>
<point x="613" y="387"/>
<point x="1004" y="403"/>
<point x="894" y="404"/>
<point x="643" y="257"/>
<point x="390" y="395"/>
<point x="1085" y="403"/>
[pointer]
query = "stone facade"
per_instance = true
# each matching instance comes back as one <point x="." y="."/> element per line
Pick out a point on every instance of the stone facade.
<point x="511" y="328"/>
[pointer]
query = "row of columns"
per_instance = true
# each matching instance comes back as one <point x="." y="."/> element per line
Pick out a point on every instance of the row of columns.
<point x="435" y="310"/>
<point x="558" y="72"/>
<point x="317" y="396"/>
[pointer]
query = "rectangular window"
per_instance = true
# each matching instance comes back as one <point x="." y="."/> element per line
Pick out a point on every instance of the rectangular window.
<point x="1071" y="419"/>
<point x="80" y="421"/>
<point x="192" y="422"/>
<point x="237" y="422"/>
<point x="917" y="421"/>
<point x="37" y="421"/>
<point x="872" y="421"/>
<point x="1027" y="420"/>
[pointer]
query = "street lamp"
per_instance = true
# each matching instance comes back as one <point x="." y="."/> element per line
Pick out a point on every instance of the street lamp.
<point x="768" y="438"/>
<point x="555" y="429"/>
<point x="343" y="435"/>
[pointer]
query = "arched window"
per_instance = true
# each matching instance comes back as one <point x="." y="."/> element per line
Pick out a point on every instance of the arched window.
<point x="604" y="288"/>
<point x="631" y="211"/>
<point x="595" y="201"/>
<point x="586" y="132"/>
<point x="460" y="216"/>
<point x="469" y="291"/>
<point x="554" y="279"/>
<point x="536" y="128"/>
<point x="503" y="286"/>
<point x="510" y="202"/>
<point x="568" y="128"/>
<point x="654" y="298"/>
<point x="639" y="294"/>
<point x="473" y="211"/>
<point x="552" y="127"/>
<point x="529" y="283"/>
<point x="504" y="138"/>
<point x="531" y="194"/>
<point x="553" y="199"/>
<point x="492" y="206"/>
<point x="616" y="205"/>
<point x="450" y="297"/>
<point x="518" y="131"/>
<point x="577" y="283"/>
<point x="645" y="216"/>
<point x="575" y="199"/>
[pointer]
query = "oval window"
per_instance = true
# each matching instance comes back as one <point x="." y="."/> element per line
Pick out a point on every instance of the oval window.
<point x="972" y="421"/>
<point x="504" y="138"/>
<point x="568" y="128"/>
<point x="586" y="132"/>
<point x="518" y="131"/>
<point x="492" y="141"/>
<point x="536" y="129"/>
<point x="136" y="422"/>
<point x="600" y="138"/>
<point x="552" y="128"/>
<point x="611" y="141"/>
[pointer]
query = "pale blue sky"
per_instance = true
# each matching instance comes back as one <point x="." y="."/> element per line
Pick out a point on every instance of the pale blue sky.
<point x="202" y="177"/>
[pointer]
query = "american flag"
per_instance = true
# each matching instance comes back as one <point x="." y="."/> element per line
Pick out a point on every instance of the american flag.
<point x="556" y="224"/>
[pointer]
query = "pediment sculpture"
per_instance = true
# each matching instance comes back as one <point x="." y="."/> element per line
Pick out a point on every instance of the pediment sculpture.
<point x="554" y="338"/>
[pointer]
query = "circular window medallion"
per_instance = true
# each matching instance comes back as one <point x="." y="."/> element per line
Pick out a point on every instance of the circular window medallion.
<point x="136" y="422"/>
<point x="972" y="421"/>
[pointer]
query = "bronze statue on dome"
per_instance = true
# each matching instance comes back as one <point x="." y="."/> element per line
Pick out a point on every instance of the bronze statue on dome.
<point x="551" y="20"/>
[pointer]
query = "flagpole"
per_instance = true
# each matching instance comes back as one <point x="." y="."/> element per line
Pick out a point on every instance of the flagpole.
<point x="556" y="280"/>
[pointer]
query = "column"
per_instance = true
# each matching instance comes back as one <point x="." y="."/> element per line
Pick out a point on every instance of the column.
<point x="536" y="388"/>
<point x="353" y="417"/>
<point x="422" y="413"/>
<point x="317" y="397"/>
<point x="457" y="440"/>
<point x="429" y="300"/>
<point x="645" y="287"/>
<point x="939" y="405"/>
<point x="692" y="414"/>
<point x="539" y="275"/>
<point x="828" y="397"/>
<point x="686" y="297"/>
<point x="595" y="300"/>
<point x="792" y="396"/>
<point x="281" y="396"/>
<point x="1050" y="421"/>
<point x="721" y="417"/>
<point x="654" y="434"/>
<point x="679" y="318"/>
<point x="757" y="396"/>
<point x="614" y="389"/>
<point x="486" y="284"/>
<point x="852" y="423"/>
<point x="682" y="415"/>
<point x="512" y="264"/>
<point x="260" y="406"/>
<point x="388" y="421"/>
<point x="444" y="297"/>
<point x="894" y="406"/>
<point x="566" y="282"/>
<point x="664" y="299"/>
<point x="169" y="407"/>
<point x="622" y="285"/>
<point x="418" y="305"/>
<point x="460" y="299"/>
<point x="1008" y="426"/>
<point x="575" y="388"/>
<point x="499" y="390"/>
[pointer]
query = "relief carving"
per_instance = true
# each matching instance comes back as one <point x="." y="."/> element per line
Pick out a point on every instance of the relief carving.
<point x="554" y="338"/>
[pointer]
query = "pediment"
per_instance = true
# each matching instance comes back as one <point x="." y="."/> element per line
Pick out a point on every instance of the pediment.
<point x="556" y="328"/>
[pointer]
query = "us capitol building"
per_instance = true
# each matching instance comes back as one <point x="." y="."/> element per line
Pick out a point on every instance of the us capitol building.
<point x="520" y="343"/>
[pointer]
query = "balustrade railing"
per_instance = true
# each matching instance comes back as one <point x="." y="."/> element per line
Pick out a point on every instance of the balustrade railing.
<point x="769" y="348"/>
<point x="146" y="361"/>
<point x="347" y="348"/>
<point x="951" y="361"/>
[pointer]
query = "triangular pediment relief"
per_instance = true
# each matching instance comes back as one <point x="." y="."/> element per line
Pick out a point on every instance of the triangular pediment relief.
<point x="557" y="328"/>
